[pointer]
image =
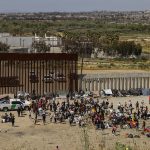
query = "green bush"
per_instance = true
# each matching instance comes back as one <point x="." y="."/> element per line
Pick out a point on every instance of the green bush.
<point x="120" y="146"/>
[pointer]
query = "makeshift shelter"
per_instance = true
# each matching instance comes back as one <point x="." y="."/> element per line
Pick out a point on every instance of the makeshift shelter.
<point x="106" y="92"/>
<point x="145" y="92"/>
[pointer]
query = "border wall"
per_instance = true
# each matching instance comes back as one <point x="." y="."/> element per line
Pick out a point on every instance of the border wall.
<point x="38" y="73"/>
<point x="126" y="81"/>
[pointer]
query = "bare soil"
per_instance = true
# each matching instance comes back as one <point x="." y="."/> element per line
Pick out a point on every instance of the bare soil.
<point x="27" y="136"/>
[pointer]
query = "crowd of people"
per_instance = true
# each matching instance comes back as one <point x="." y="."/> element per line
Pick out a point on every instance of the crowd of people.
<point x="8" y="118"/>
<point x="86" y="111"/>
<point x="90" y="111"/>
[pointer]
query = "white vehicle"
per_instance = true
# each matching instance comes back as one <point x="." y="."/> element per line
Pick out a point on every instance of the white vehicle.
<point x="11" y="105"/>
<point x="26" y="103"/>
<point x="14" y="99"/>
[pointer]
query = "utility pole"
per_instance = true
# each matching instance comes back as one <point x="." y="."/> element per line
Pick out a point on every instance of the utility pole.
<point x="82" y="57"/>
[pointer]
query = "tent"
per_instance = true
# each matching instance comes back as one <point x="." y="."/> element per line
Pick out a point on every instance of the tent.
<point x="107" y="92"/>
<point x="146" y="92"/>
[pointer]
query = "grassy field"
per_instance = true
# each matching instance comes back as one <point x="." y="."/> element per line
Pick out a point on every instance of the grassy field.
<point x="123" y="63"/>
<point x="143" y="39"/>
<point x="116" y="64"/>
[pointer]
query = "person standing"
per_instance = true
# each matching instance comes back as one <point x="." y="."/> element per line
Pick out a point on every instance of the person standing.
<point x="137" y="124"/>
<point x="51" y="106"/>
<point x="44" y="117"/>
<point x="114" y="129"/>
<point x="29" y="112"/>
<point x="107" y="103"/>
<point x="19" y="111"/>
<point x="57" y="148"/>
<point x="67" y="97"/>
<point x="138" y="113"/>
<point x="137" y="105"/>
<point x="119" y="105"/>
<point x="55" y="117"/>
<point x="111" y="106"/>
<point x="144" y="125"/>
<point x="13" y="120"/>
<point x="35" y="119"/>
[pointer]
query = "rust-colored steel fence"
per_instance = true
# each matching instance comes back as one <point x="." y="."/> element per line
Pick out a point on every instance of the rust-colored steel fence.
<point x="38" y="72"/>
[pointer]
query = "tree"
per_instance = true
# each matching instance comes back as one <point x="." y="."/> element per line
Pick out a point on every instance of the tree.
<point x="128" y="48"/>
<point x="40" y="46"/>
<point x="138" y="50"/>
<point x="3" y="47"/>
<point x="77" y="43"/>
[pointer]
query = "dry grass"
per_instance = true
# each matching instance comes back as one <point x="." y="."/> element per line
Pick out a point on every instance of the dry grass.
<point x="116" y="64"/>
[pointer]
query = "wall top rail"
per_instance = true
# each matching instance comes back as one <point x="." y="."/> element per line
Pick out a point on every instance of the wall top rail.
<point x="114" y="75"/>
<point x="37" y="56"/>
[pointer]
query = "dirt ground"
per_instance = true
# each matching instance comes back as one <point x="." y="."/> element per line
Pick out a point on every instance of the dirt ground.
<point x="111" y="71"/>
<point x="27" y="136"/>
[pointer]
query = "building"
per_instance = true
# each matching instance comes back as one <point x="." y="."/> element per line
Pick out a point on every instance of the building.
<point x="4" y="34"/>
<point x="17" y="41"/>
<point x="54" y="41"/>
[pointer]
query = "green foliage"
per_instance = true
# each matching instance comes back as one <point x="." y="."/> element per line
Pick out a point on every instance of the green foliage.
<point x="85" y="43"/>
<point x="23" y="27"/>
<point x="126" y="48"/>
<point x="40" y="46"/>
<point x="103" y="36"/>
<point x="3" y="47"/>
<point x="77" y="43"/>
<point x="120" y="146"/>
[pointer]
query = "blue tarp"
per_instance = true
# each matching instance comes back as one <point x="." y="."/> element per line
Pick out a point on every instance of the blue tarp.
<point x="145" y="92"/>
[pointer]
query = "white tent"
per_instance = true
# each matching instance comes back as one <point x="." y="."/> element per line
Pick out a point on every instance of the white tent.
<point x="107" y="92"/>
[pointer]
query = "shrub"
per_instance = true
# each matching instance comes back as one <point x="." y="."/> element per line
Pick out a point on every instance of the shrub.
<point x="120" y="146"/>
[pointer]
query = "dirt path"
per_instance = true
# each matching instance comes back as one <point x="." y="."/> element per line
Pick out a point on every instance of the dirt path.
<point x="111" y="71"/>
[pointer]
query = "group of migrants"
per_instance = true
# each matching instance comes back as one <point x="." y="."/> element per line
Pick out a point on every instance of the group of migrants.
<point x="83" y="111"/>
<point x="86" y="111"/>
<point x="8" y="118"/>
